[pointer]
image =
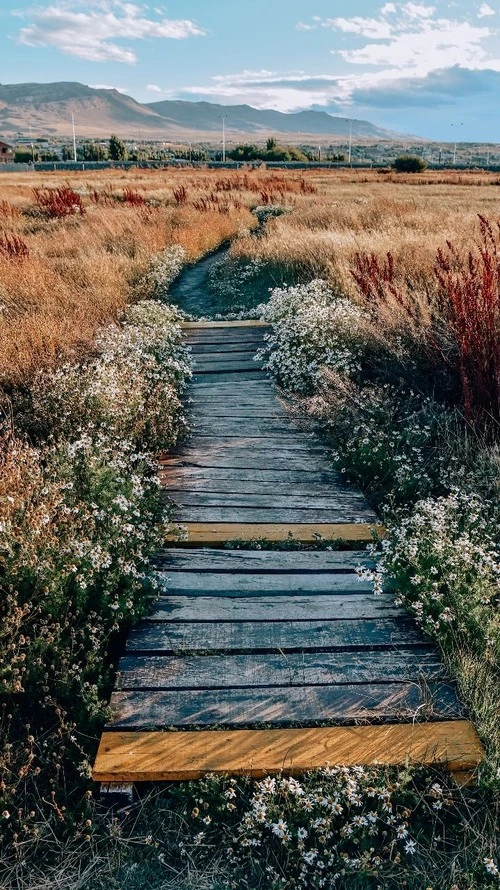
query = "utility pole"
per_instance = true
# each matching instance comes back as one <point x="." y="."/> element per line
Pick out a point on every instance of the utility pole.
<point x="350" y="122"/>
<point x="455" y="146"/>
<point x="74" y="136"/>
<point x="224" y="138"/>
<point x="319" y="154"/>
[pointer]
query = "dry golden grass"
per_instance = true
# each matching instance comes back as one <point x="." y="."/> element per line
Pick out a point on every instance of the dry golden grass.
<point x="82" y="270"/>
<point x="363" y="211"/>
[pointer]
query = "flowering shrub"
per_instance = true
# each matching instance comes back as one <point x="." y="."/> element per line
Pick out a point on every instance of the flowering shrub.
<point x="130" y="390"/>
<point x="337" y="827"/>
<point x="163" y="269"/>
<point x="80" y="518"/>
<point x="312" y="328"/>
<point x="447" y="570"/>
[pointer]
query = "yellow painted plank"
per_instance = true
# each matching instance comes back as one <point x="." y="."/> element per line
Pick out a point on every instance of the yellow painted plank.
<point x="214" y="534"/>
<point x="175" y="756"/>
<point x="200" y="325"/>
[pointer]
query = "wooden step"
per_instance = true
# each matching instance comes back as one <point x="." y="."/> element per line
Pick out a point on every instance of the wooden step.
<point x="175" y="756"/>
<point x="225" y="325"/>
<point x="216" y="534"/>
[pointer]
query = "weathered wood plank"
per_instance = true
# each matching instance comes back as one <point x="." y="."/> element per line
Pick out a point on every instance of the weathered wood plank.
<point x="219" y="411"/>
<point x="327" y="476"/>
<point x="216" y="534"/>
<point x="205" y="485"/>
<point x="355" y="513"/>
<point x="354" y="607"/>
<point x="271" y="636"/>
<point x="207" y="348"/>
<point x="223" y="325"/>
<point x="292" y="669"/>
<point x="335" y="503"/>
<point x="161" y="756"/>
<point x="225" y="366"/>
<point x="204" y="582"/>
<point x="199" y="379"/>
<point x="217" y="357"/>
<point x="237" y="561"/>
<point x="249" y="459"/>
<point x="235" y="386"/>
<point x="319" y="704"/>
<point x="230" y="426"/>
<point x="300" y="443"/>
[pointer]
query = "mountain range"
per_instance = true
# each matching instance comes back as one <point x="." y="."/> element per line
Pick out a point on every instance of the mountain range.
<point x="46" y="109"/>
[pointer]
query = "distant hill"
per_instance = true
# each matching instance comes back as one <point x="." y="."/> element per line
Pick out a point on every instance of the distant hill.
<point x="245" y="119"/>
<point x="46" y="109"/>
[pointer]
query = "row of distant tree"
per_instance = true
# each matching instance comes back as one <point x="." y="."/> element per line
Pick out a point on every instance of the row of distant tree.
<point x="276" y="152"/>
<point x="117" y="150"/>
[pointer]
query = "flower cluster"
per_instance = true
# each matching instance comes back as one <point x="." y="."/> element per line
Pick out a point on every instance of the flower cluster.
<point x="447" y="569"/>
<point x="130" y="390"/>
<point x="336" y="827"/>
<point x="80" y="518"/>
<point x="163" y="269"/>
<point x="312" y="329"/>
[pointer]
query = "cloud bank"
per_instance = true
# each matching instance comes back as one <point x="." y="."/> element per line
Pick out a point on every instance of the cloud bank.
<point x="95" y="30"/>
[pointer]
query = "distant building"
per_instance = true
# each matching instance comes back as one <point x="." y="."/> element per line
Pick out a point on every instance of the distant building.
<point x="6" y="153"/>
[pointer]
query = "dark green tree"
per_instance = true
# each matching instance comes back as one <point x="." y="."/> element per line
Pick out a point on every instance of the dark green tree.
<point x="93" y="151"/>
<point x="117" y="150"/>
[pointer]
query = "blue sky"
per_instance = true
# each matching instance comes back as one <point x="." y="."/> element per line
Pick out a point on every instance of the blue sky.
<point x="429" y="68"/>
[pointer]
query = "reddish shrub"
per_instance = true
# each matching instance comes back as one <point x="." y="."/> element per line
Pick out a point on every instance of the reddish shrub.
<point x="8" y="210"/>
<point x="471" y="297"/>
<point x="130" y="196"/>
<point x="181" y="195"/>
<point x="59" y="202"/>
<point x="469" y="314"/>
<point x="13" y="247"/>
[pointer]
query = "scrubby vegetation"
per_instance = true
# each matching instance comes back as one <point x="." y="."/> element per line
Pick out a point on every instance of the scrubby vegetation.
<point x="385" y="314"/>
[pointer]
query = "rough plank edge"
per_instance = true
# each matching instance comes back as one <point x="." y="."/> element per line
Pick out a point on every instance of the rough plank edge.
<point x="200" y="325"/>
<point x="215" y="534"/>
<point x="180" y="756"/>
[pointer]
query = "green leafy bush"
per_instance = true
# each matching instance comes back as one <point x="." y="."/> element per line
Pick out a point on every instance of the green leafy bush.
<point x="409" y="164"/>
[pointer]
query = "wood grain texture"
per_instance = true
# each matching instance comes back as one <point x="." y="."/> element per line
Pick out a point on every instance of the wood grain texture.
<point x="343" y="703"/>
<point x="196" y="484"/>
<point x="223" y="325"/>
<point x="201" y="583"/>
<point x="269" y="636"/>
<point x="176" y="474"/>
<point x="225" y="376"/>
<point x="345" y="500"/>
<point x="356" y="607"/>
<point x="268" y="561"/>
<point x="207" y="349"/>
<point x="216" y="534"/>
<point x="280" y="669"/>
<point x="162" y="757"/>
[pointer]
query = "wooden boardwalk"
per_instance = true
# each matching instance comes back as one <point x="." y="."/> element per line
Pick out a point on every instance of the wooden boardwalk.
<point x="257" y="660"/>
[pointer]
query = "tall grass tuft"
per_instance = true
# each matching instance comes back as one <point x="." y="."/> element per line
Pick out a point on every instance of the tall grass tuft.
<point x="13" y="247"/>
<point x="462" y="327"/>
<point x="59" y="202"/>
<point x="471" y="287"/>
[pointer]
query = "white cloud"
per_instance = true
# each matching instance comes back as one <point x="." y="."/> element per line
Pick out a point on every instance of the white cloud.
<point x="88" y="29"/>
<point x="485" y="10"/>
<point x="357" y="25"/>
<point x="153" y="88"/>
<point x="411" y="39"/>
<point x="108" y="86"/>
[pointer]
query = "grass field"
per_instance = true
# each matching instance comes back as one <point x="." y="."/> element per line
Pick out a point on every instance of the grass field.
<point x="385" y="315"/>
